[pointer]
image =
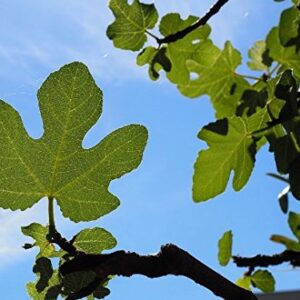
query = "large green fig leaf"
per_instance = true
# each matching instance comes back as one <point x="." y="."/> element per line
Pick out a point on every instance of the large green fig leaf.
<point x="56" y="165"/>
<point x="128" y="31"/>
<point x="217" y="80"/>
<point x="231" y="148"/>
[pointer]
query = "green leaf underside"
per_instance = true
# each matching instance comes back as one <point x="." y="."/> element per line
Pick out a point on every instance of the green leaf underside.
<point x="225" y="248"/>
<point x="56" y="165"/>
<point x="231" y="148"/>
<point x="263" y="280"/>
<point x="94" y="241"/>
<point x="216" y="78"/>
<point x="39" y="234"/>
<point x="132" y="21"/>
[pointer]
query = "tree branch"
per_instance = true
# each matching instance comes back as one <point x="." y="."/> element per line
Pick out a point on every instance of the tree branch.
<point x="202" y="21"/>
<point x="171" y="260"/>
<point x="293" y="257"/>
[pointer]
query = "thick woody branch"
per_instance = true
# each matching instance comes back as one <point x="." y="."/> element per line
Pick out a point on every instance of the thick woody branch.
<point x="171" y="260"/>
<point x="202" y="21"/>
<point x="292" y="257"/>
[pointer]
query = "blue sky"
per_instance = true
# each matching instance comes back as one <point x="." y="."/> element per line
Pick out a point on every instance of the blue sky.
<point x="37" y="37"/>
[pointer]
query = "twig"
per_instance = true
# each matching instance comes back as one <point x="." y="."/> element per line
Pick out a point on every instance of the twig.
<point x="171" y="260"/>
<point x="55" y="237"/>
<point x="293" y="257"/>
<point x="202" y="21"/>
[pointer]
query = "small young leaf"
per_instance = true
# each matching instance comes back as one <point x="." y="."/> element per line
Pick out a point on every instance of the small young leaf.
<point x="259" y="58"/>
<point x="244" y="282"/>
<point x="39" y="234"/>
<point x="287" y="242"/>
<point x="93" y="241"/>
<point x="263" y="280"/>
<point x="128" y="31"/>
<point x="225" y="248"/>
<point x="294" y="223"/>
<point x="231" y="148"/>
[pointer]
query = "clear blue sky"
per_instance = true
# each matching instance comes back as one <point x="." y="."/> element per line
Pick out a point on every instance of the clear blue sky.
<point x="37" y="37"/>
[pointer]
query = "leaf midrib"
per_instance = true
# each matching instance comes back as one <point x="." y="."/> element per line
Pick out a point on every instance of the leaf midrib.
<point x="58" y="159"/>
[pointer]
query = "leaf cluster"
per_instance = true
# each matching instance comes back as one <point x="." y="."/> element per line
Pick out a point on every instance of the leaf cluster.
<point x="251" y="111"/>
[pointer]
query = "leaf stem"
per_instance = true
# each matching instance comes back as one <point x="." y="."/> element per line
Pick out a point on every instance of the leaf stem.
<point x="152" y="35"/>
<point x="249" y="77"/>
<point x="274" y="69"/>
<point x="52" y="228"/>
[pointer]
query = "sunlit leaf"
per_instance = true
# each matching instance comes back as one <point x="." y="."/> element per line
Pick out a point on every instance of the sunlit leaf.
<point x="263" y="280"/>
<point x="244" y="282"/>
<point x="128" y="31"/>
<point x="56" y="165"/>
<point x="231" y="148"/>
<point x="259" y="58"/>
<point x="294" y="223"/>
<point x="225" y="248"/>
<point x="216" y="78"/>
<point x="194" y="45"/>
<point x="287" y="242"/>
<point x="94" y="241"/>
<point x="39" y="234"/>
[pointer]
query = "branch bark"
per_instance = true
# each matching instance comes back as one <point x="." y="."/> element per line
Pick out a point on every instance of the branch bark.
<point x="202" y="21"/>
<point x="171" y="260"/>
<point x="293" y="257"/>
